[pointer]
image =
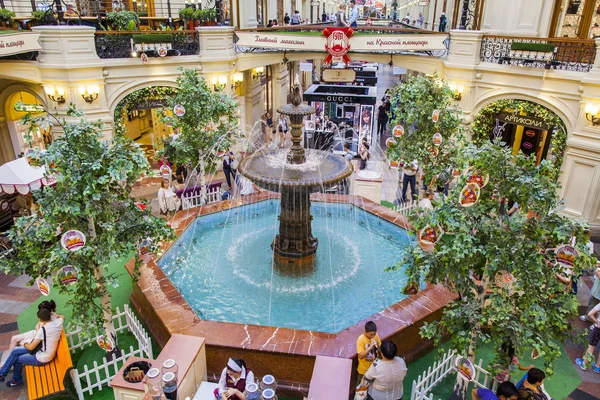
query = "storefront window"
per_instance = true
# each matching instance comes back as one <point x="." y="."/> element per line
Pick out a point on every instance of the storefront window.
<point x="577" y="18"/>
<point x="20" y="138"/>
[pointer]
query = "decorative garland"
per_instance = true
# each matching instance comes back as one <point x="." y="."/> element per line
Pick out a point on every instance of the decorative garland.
<point x="131" y="100"/>
<point x="485" y="122"/>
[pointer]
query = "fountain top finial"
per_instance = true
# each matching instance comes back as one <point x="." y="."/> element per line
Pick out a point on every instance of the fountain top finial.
<point x="296" y="95"/>
<point x="296" y="108"/>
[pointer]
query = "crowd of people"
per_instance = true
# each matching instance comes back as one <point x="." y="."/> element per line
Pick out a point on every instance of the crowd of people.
<point x="349" y="18"/>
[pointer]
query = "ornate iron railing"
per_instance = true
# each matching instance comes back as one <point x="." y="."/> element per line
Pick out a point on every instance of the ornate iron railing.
<point x="549" y="53"/>
<point x="122" y="44"/>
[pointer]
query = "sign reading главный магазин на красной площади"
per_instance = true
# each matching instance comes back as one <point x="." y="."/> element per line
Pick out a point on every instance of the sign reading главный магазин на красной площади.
<point x="358" y="42"/>
<point x="21" y="42"/>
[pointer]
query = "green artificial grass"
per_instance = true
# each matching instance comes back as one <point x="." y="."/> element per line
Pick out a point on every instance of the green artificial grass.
<point x="559" y="386"/>
<point x="387" y="204"/>
<point x="540" y="47"/>
<point x="119" y="297"/>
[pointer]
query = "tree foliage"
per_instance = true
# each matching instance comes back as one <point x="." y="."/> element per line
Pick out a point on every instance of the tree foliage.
<point x="414" y="103"/>
<point x="92" y="195"/>
<point x="482" y="241"/>
<point x="209" y="124"/>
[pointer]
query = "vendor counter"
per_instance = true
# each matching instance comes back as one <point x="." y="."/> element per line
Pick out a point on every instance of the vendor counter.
<point x="189" y="352"/>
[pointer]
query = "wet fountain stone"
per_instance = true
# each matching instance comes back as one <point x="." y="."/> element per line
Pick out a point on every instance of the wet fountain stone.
<point x="295" y="245"/>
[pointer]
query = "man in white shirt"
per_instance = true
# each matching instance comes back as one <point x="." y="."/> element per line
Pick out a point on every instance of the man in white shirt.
<point x="48" y="336"/>
<point x="410" y="177"/>
<point x="387" y="374"/>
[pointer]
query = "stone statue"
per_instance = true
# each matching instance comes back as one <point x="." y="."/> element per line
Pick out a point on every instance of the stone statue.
<point x="296" y="95"/>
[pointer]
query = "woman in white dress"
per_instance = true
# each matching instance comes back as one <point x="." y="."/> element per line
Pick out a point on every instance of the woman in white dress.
<point x="167" y="200"/>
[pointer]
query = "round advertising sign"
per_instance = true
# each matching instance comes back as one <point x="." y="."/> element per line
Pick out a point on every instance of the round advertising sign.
<point x="43" y="286"/>
<point x="469" y="195"/>
<point x="68" y="275"/>
<point x="105" y="343"/>
<point x="398" y="131"/>
<point x="72" y="240"/>
<point x="179" y="110"/>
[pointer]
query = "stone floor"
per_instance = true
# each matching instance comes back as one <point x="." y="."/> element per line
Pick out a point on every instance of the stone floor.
<point x="15" y="297"/>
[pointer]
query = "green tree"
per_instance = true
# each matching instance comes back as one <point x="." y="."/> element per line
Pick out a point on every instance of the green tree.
<point x="482" y="242"/>
<point x="414" y="103"/>
<point x="92" y="195"/>
<point x="209" y="125"/>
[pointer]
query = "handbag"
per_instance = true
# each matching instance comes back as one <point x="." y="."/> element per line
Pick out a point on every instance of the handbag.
<point x="40" y="345"/>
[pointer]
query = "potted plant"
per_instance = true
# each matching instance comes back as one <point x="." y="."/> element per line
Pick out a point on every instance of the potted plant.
<point x="200" y="16"/>
<point x="43" y="17"/>
<point x="211" y="17"/>
<point x="186" y="14"/>
<point x="123" y="20"/>
<point x="6" y="16"/>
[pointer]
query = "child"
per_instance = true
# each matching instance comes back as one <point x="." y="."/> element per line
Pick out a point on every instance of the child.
<point x="505" y="391"/>
<point x="593" y="339"/>
<point x="367" y="345"/>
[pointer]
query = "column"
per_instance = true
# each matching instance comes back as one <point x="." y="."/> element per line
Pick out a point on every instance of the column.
<point x="73" y="49"/>
<point x="580" y="178"/>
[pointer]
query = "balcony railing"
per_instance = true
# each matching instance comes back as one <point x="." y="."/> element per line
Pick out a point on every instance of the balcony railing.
<point x="549" y="53"/>
<point x="130" y="44"/>
<point x="149" y="11"/>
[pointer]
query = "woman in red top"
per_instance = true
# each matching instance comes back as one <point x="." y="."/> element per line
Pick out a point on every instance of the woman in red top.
<point x="234" y="379"/>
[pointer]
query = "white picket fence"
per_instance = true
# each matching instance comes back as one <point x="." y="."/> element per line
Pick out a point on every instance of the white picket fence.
<point x="422" y="387"/>
<point x="406" y="208"/>
<point x="189" y="200"/>
<point x="103" y="372"/>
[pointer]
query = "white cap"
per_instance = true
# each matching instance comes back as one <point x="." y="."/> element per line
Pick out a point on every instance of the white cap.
<point x="153" y="373"/>
<point x="169" y="363"/>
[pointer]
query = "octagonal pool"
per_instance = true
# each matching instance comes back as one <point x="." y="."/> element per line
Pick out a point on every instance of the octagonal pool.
<point x="222" y="265"/>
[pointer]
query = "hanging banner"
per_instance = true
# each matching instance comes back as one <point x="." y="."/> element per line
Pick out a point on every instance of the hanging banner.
<point x="357" y="42"/>
<point x="16" y="43"/>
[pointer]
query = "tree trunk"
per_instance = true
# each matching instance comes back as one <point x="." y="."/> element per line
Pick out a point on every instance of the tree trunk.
<point x="460" y="388"/>
<point x="109" y="328"/>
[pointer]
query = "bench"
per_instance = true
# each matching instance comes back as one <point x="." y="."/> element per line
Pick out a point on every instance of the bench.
<point x="530" y="53"/>
<point x="48" y="379"/>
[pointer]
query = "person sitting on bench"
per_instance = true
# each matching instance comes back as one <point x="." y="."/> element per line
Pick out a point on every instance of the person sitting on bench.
<point x="40" y="351"/>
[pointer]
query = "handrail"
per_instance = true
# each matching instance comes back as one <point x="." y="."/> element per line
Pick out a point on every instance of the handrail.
<point x="541" y="39"/>
<point x="170" y="32"/>
<point x="356" y="29"/>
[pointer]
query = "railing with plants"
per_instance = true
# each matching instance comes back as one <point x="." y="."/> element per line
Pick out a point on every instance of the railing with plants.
<point x="127" y="44"/>
<point x="27" y="13"/>
<point x="549" y="53"/>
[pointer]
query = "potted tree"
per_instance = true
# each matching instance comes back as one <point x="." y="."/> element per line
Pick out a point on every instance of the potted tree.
<point x="6" y="16"/>
<point x="123" y="20"/>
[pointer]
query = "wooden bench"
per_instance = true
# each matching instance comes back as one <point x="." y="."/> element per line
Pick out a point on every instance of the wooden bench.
<point x="48" y="379"/>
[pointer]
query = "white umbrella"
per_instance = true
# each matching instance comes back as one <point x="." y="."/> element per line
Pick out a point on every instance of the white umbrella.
<point x="19" y="176"/>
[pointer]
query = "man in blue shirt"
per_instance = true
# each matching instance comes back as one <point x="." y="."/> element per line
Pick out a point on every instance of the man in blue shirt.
<point x="353" y="14"/>
<point x="505" y="391"/>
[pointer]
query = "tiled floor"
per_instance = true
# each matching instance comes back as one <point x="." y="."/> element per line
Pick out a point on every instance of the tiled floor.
<point x="14" y="298"/>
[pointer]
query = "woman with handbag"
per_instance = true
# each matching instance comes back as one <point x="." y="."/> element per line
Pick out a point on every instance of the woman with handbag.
<point x="40" y="351"/>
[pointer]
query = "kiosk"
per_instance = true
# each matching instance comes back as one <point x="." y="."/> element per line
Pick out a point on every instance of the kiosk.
<point x="351" y="108"/>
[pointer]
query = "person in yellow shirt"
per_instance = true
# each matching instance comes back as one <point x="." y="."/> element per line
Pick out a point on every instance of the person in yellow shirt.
<point x="367" y="347"/>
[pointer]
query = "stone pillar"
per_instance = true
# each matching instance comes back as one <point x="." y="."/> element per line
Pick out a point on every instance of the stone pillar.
<point x="281" y="83"/>
<point x="247" y="14"/>
<point x="73" y="49"/>
<point x="216" y="43"/>
<point x="461" y="67"/>
<point x="580" y="178"/>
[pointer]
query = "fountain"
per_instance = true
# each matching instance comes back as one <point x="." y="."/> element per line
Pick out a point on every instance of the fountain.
<point x="295" y="245"/>
<point x="263" y="292"/>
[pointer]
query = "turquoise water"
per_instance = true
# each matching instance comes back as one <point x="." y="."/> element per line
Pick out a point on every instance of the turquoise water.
<point x="222" y="265"/>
